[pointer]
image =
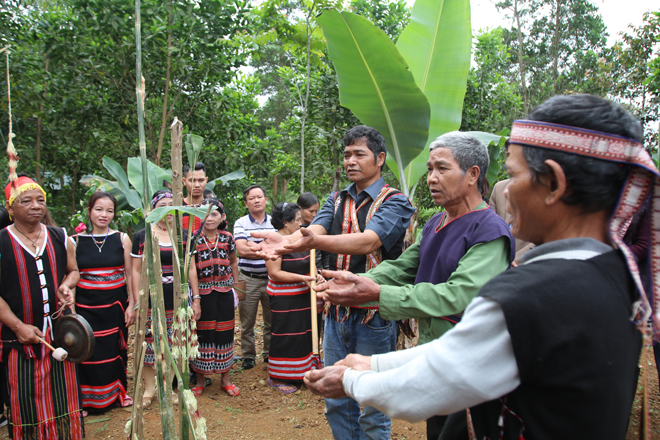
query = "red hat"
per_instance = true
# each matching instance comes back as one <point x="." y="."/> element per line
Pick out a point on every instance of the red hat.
<point x="19" y="186"/>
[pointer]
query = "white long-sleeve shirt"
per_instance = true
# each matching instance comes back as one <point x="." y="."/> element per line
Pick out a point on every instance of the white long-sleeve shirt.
<point x="471" y="364"/>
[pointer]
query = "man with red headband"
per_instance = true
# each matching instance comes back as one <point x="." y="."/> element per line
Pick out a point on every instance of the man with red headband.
<point x="548" y="349"/>
<point x="38" y="271"/>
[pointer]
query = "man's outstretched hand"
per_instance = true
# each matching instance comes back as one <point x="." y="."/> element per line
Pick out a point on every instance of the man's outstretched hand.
<point x="268" y="246"/>
<point x="348" y="289"/>
<point x="275" y="245"/>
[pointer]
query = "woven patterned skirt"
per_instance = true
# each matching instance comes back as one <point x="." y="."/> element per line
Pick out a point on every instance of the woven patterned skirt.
<point x="291" y="331"/>
<point x="103" y="376"/>
<point x="215" y="331"/>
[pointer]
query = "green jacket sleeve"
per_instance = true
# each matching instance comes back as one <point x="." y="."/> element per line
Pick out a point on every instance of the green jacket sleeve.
<point x="480" y="264"/>
<point x="399" y="272"/>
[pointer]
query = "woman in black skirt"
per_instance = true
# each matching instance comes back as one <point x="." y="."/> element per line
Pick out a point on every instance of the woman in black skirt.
<point x="103" y="299"/>
<point x="291" y="326"/>
<point x="217" y="270"/>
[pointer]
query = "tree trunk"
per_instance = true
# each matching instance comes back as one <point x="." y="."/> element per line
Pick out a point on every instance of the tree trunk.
<point x="285" y="185"/>
<point x="163" y="123"/>
<point x="73" y="188"/>
<point x="520" y="59"/>
<point x="305" y="103"/>
<point x="556" y="48"/>
<point x="39" y="125"/>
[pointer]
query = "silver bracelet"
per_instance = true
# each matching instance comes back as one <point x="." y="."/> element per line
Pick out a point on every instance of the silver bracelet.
<point x="197" y="297"/>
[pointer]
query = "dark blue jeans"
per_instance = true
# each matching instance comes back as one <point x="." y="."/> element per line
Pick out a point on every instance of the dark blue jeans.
<point x="341" y="339"/>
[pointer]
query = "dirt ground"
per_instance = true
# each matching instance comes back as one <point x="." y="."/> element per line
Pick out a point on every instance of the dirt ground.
<point x="260" y="412"/>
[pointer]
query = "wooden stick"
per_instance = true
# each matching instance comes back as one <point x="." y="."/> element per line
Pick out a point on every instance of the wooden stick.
<point x="46" y="344"/>
<point x="58" y="353"/>
<point x="315" y="327"/>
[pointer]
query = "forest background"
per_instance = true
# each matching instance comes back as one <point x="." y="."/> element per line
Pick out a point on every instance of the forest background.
<point x="255" y="81"/>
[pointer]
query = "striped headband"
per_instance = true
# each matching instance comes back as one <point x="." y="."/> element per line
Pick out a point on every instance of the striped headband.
<point x="165" y="195"/>
<point x="642" y="181"/>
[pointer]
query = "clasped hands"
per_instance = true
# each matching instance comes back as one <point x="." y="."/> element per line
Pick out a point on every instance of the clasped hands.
<point x="327" y="382"/>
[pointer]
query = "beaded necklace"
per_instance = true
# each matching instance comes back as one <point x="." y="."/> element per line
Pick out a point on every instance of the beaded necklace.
<point x="101" y="242"/>
<point x="208" y="242"/>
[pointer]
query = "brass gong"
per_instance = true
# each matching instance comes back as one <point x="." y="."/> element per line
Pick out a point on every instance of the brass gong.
<point x="74" y="334"/>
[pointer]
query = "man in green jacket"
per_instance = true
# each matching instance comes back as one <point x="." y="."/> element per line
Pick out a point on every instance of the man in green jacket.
<point x="461" y="249"/>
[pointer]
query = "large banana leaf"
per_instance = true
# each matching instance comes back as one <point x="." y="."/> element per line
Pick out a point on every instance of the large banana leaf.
<point x="155" y="176"/>
<point x="116" y="170"/>
<point x="375" y="83"/>
<point x="234" y="175"/>
<point x="437" y="46"/>
<point x="110" y="186"/>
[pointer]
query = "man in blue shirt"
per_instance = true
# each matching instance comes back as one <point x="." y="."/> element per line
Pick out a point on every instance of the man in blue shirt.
<point x="360" y="226"/>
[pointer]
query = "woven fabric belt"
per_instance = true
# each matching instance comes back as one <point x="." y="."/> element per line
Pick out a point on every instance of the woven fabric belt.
<point x="254" y="275"/>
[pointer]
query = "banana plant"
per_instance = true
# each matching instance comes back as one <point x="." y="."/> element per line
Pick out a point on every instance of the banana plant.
<point x="376" y="84"/>
<point x="495" y="143"/>
<point x="128" y="187"/>
<point x="412" y="92"/>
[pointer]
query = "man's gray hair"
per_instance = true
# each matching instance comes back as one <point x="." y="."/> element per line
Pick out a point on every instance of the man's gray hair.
<point x="467" y="150"/>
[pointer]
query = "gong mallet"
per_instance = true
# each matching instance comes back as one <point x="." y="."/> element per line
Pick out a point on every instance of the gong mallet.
<point x="316" y="360"/>
<point x="58" y="353"/>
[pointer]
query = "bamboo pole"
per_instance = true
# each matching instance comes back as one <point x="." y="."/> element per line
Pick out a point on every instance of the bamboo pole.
<point x="148" y="255"/>
<point x="180" y="288"/>
<point x="145" y="276"/>
<point x="138" y="354"/>
<point x="312" y="297"/>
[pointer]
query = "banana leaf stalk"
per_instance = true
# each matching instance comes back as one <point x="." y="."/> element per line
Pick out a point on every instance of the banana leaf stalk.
<point x="138" y="367"/>
<point x="159" y="332"/>
<point x="148" y="268"/>
<point x="180" y="289"/>
<point x="139" y="352"/>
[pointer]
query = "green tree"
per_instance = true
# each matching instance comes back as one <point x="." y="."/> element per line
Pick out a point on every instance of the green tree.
<point x="73" y="85"/>
<point x="629" y="74"/>
<point x="491" y="101"/>
<point x="554" y="43"/>
<point x="281" y="65"/>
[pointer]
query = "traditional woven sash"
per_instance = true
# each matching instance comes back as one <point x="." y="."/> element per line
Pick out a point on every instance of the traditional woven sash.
<point x="350" y="225"/>
<point x="644" y="179"/>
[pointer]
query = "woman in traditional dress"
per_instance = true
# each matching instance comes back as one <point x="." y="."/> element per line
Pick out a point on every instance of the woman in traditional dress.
<point x="103" y="299"/>
<point x="288" y="290"/>
<point x="217" y="270"/>
<point x="160" y="198"/>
